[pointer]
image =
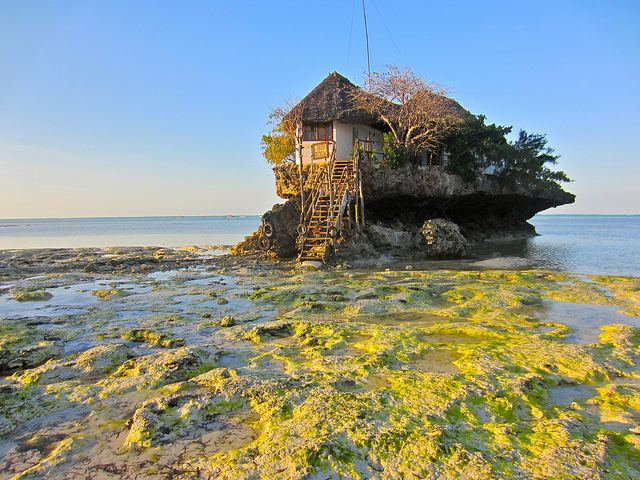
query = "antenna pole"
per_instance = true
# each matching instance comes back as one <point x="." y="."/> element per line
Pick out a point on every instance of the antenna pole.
<point x="366" y="35"/>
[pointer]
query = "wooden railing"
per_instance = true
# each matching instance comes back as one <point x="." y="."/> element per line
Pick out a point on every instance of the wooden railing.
<point x="337" y="185"/>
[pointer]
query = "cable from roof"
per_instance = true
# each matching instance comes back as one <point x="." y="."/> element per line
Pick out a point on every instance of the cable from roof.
<point x="353" y="15"/>
<point x="366" y="35"/>
<point x="389" y="33"/>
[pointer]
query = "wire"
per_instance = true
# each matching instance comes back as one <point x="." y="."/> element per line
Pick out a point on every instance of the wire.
<point x="366" y="35"/>
<point x="389" y="33"/>
<point x="353" y="15"/>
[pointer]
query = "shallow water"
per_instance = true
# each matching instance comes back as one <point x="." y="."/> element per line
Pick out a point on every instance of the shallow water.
<point x="125" y="231"/>
<point x="585" y="320"/>
<point x="591" y="244"/>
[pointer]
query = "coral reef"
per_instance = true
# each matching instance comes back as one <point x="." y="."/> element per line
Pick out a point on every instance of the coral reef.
<point x="339" y="373"/>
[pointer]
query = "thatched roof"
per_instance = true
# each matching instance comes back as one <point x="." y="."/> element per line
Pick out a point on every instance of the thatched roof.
<point x="331" y="100"/>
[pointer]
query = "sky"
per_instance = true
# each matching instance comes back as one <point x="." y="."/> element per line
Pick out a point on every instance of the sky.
<point x="130" y="108"/>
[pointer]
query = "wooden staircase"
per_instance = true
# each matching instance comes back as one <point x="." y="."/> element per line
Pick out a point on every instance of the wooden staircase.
<point x="330" y="192"/>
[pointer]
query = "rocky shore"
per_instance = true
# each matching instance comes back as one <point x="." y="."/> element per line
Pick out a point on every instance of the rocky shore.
<point x="399" y="201"/>
<point x="184" y="363"/>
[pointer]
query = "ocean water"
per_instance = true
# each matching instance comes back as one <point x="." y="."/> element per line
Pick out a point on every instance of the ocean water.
<point x="125" y="231"/>
<point x="590" y="244"/>
<point x="598" y="244"/>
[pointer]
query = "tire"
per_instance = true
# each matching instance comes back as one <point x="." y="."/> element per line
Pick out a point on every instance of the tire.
<point x="267" y="229"/>
<point x="265" y="243"/>
<point x="302" y="229"/>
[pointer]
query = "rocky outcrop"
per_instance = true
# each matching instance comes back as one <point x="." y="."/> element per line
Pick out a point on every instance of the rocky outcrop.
<point x="485" y="208"/>
<point x="397" y="202"/>
<point x="277" y="234"/>
<point x="385" y="238"/>
<point x="28" y="356"/>
<point x="443" y="238"/>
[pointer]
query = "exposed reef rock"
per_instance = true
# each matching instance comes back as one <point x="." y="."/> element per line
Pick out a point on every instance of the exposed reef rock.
<point x="398" y="201"/>
<point x="443" y="238"/>
<point x="488" y="207"/>
<point x="276" y="234"/>
<point x="384" y="238"/>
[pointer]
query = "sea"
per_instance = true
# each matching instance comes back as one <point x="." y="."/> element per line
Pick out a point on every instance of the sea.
<point x="586" y="244"/>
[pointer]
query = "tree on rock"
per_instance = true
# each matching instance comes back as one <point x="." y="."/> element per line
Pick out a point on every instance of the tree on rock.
<point x="417" y="112"/>
<point x="279" y="145"/>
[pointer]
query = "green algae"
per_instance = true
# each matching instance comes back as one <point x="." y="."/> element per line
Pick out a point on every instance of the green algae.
<point x="60" y="453"/>
<point x="624" y="289"/>
<point x="106" y="294"/>
<point x="31" y="295"/>
<point x="152" y="337"/>
<point x="228" y="321"/>
<point x="392" y="375"/>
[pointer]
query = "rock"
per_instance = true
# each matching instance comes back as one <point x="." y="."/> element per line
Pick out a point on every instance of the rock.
<point x="151" y="337"/>
<point x="97" y="360"/>
<point x="29" y="356"/>
<point x="31" y="296"/>
<point x="503" y="263"/>
<point x="483" y="208"/>
<point x="272" y="329"/>
<point x="443" y="238"/>
<point x="168" y="366"/>
<point x="384" y="238"/>
<point x="167" y="418"/>
<point x="102" y="359"/>
<point x="228" y="321"/>
<point x="311" y="265"/>
<point x="279" y="237"/>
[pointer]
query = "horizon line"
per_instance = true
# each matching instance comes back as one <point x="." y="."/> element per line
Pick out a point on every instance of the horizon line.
<point x="240" y="215"/>
<point x="130" y="216"/>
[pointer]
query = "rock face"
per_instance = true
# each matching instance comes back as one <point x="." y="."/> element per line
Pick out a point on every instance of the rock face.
<point x="488" y="207"/>
<point x="28" y="356"/>
<point x="443" y="238"/>
<point x="397" y="201"/>
<point x="277" y="234"/>
<point x="385" y="238"/>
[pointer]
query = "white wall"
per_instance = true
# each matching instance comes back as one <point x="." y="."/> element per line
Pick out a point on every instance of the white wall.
<point x="343" y="136"/>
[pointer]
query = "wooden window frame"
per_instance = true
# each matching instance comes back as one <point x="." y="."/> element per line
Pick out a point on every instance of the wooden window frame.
<point x="326" y="128"/>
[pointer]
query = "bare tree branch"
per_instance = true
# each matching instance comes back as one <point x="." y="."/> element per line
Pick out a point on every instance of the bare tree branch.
<point x="417" y="112"/>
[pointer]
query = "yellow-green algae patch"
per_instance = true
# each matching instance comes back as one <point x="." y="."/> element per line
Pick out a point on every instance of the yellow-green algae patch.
<point x="105" y="294"/>
<point x="31" y="296"/>
<point x="624" y="289"/>
<point x="152" y="337"/>
<point x="443" y="374"/>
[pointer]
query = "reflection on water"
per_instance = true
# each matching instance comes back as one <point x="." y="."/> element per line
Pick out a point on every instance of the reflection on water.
<point x="584" y="320"/>
<point x="591" y="244"/>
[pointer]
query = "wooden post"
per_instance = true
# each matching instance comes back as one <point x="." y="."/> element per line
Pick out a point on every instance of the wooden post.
<point x="361" y="200"/>
<point x="300" y="172"/>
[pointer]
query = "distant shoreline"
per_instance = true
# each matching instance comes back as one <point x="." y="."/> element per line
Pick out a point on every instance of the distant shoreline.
<point x="231" y="215"/>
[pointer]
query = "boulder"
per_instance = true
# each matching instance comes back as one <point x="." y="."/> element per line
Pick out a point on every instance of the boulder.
<point x="277" y="234"/>
<point x="28" y="356"/>
<point x="443" y="238"/>
<point x="384" y="238"/>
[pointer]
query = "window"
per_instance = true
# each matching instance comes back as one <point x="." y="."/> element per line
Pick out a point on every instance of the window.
<point x="317" y="132"/>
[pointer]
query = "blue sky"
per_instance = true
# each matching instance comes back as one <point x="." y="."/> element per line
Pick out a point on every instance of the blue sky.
<point x="157" y="107"/>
